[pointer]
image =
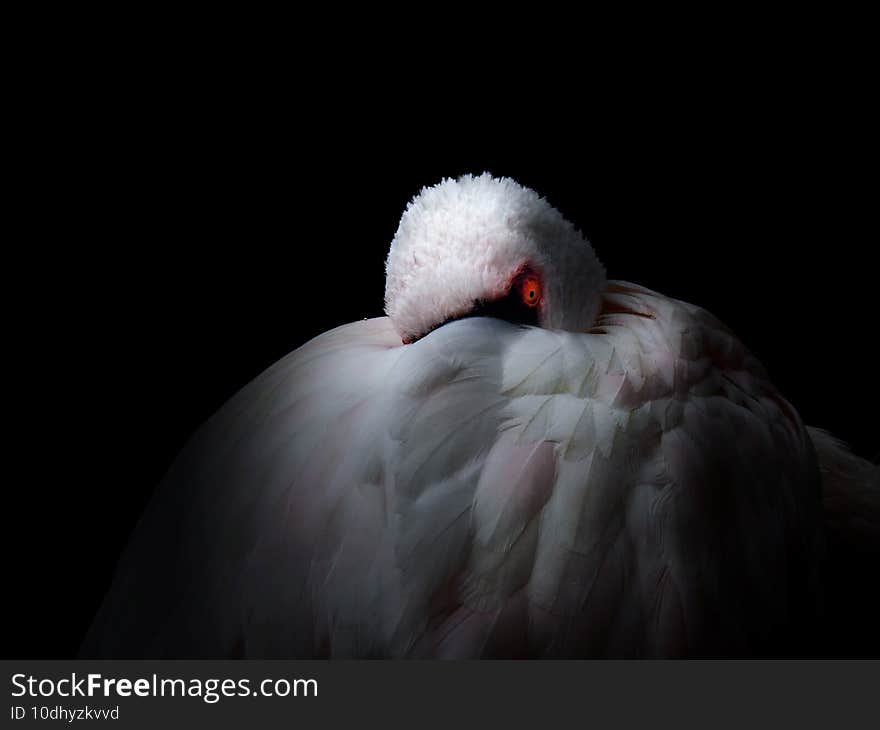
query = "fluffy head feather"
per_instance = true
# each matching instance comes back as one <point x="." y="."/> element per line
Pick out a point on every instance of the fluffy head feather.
<point x="464" y="241"/>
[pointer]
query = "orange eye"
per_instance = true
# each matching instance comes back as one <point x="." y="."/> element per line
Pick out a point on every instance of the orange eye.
<point x="530" y="291"/>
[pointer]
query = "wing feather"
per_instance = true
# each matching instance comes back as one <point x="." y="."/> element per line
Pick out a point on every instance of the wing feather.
<point x="490" y="490"/>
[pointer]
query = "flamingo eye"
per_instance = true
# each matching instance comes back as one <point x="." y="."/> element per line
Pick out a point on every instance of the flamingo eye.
<point x="530" y="291"/>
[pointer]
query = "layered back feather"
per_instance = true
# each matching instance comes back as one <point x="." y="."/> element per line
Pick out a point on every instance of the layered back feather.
<point x="491" y="490"/>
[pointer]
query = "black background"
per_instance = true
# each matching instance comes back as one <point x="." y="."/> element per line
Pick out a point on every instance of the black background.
<point x="180" y="237"/>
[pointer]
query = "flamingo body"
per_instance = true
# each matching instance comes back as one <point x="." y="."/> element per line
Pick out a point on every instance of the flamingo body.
<point x="490" y="490"/>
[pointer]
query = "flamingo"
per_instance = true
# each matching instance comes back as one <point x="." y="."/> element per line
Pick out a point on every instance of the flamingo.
<point x="522" y="459"/>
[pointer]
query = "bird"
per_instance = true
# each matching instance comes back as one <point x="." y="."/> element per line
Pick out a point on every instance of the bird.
<point x="522" y="459"/>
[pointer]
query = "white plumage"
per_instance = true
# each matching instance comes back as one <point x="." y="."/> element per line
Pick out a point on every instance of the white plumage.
<point x="635" y="488"/>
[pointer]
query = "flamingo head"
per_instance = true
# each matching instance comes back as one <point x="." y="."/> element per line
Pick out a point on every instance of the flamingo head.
<point x="485" y="246"/>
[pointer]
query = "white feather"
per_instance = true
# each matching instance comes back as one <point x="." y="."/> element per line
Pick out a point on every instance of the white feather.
<point x="489" y="490"/>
